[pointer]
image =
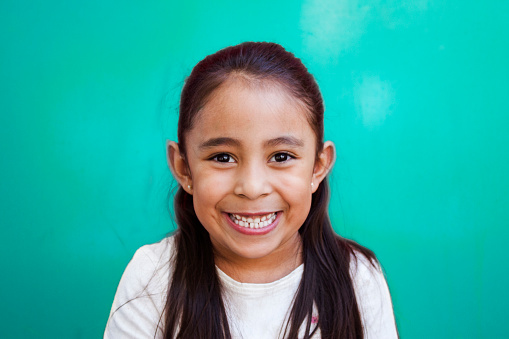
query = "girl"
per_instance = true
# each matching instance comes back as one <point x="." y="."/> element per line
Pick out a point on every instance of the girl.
<point x="254" y="255"/>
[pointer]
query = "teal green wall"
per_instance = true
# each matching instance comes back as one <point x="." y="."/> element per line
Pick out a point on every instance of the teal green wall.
<point x="416" y="97"/>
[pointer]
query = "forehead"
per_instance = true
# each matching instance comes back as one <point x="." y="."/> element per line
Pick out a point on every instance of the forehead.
<point x="252" y="110"/>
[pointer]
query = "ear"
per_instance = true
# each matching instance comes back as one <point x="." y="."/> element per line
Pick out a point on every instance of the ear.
<point x="323" y="165"/>
<point x="178" y="166"/>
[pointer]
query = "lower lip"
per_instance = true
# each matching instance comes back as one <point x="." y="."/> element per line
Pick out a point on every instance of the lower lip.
<point x="253" y="231"/>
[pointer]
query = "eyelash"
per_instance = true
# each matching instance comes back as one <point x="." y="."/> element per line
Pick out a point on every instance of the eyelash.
<point x="215" y="157"/>
<point x="288" y="157"/>
<point x="222" y="155"/>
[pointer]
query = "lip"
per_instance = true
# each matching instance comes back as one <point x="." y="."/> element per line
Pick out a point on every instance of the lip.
<point x="253" y="231"/>
<point x="251" y="214"/>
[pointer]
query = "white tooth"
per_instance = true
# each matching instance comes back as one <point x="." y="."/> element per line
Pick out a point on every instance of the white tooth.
<point x="263" y="218"/>
<point x="257" y="220"/>
<point x="249" y="219"/>
<point x="251" y="225"/>
<point x="244" y="219"/>
<point x="265" y="223"/>
<point x="257" y="225"/>
<point x="238" y="217"/>
<point x="236" y="221"/>
<point x="241" y="223"/>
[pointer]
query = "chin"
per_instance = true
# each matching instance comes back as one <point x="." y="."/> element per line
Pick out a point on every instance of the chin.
<point x="254" y="251"/>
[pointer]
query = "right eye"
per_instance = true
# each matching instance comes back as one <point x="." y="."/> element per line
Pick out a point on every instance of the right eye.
<point x="223" y="157"/>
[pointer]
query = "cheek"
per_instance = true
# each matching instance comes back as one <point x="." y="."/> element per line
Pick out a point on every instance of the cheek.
<point x="208" y="190"/>
<point x="298" y="179"/>
<point x="204" y="202"/>
<point x="297" y="191"/>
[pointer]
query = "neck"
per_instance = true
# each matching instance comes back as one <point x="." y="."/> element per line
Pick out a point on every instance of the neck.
<point x="261" y="270"/>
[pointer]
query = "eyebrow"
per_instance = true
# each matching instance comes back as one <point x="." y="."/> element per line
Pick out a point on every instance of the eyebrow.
<point x="286" y="140"/>
<point x="225" y="141"/>
<point x="219" y="142"/>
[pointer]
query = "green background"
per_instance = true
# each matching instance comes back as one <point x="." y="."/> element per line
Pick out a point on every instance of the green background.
<point x="416" y="97"/>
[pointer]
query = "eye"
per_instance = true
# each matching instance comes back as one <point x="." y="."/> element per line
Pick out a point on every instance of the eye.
<point x="281" y="157"/>
<point x="223" y="157"/>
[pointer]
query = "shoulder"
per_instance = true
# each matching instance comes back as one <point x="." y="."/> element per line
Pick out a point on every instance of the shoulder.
<point x="150" y="265"/>
<point x="373" y="297"/>
<point x="141" y="293"/>
<point x="149" y="268"/>
<point x="364" y="270"/>
<point x="153" y="256"/>
<point x="369" y="283"/>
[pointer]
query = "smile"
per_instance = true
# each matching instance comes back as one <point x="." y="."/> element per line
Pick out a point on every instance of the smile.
<point x="253" y="221"/>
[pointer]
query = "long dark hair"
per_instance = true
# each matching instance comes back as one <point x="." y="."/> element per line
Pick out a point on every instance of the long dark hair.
<point x="194" y="307"/>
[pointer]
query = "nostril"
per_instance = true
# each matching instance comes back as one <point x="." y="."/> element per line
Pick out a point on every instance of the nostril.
<point x="252" y="181"/>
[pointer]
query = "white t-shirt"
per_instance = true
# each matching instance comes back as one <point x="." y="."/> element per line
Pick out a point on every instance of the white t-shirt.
<point x="254" y="310"/>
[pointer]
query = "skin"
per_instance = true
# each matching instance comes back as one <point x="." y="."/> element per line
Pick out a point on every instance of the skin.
<point x="252" y="151"/>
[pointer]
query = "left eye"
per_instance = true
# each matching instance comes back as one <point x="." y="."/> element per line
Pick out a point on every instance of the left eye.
<point x="223" y="157"/>
<point x="281" y="157"/>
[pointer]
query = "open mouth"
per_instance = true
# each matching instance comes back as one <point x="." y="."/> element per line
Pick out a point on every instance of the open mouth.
<point x="253" y="221"/>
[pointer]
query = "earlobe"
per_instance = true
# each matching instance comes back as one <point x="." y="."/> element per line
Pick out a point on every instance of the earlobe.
<point x="178" y="166"/>
<point x="323" y="165"/>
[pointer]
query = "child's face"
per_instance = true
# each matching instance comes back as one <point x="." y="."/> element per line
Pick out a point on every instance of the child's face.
<point x="251" y="154"/>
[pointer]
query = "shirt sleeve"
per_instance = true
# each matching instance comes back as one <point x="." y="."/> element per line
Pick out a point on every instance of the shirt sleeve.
<point x="373" y="299"/>
<point x="140" y="298"/>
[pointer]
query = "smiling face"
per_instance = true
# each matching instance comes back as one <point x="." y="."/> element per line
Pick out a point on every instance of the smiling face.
<point x="251" y="161"/>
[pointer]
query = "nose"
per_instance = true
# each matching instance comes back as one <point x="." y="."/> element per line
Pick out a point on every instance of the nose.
<point x="252" y="181"/>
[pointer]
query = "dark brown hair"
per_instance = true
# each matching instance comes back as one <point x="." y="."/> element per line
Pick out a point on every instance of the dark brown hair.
<point x="194" y="307"/>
